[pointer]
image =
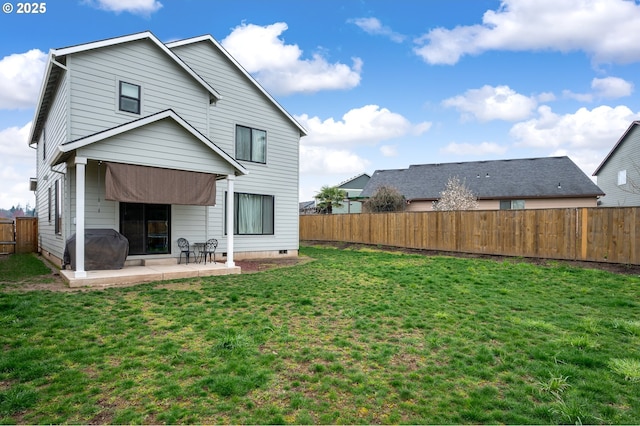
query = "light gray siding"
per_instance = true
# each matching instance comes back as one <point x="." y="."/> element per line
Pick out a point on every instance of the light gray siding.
<point x="86" y="103"/>
<point x="54" y="133"/>
<point x="244" y="104"/>
<point x="162" y="144"/>
<point x="95" y="77"/>
<point x="627" y="158"/>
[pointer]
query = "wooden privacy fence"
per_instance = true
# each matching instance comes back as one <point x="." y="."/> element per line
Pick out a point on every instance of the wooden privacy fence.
<point x="599" y="234"/>
<point x="19" y="236"/>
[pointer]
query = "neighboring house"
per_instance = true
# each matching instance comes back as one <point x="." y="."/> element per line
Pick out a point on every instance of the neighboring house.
<point x="533" y="183"/>
<point x="154" y="140"/>
<point x="353" y="187"/>
<point x="307" y="207"/>
<point x="619" y="173"/>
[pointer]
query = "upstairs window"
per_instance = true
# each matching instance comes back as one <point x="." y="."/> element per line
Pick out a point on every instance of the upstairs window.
<point x="622" y="177"/>
<point x="251" y="144"/>
<point x="129" y="97"/>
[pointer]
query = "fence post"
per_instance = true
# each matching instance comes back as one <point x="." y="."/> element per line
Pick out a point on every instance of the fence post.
<point x="585" y="234"/>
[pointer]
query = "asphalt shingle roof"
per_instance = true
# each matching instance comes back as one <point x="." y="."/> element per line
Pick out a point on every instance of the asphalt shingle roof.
<point x="547" y="177"/>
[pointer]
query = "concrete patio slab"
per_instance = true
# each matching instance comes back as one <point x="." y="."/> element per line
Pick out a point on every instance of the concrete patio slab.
<point x="148" y="273"/>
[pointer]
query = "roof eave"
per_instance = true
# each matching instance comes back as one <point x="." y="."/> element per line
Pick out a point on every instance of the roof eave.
<point x="615" y="147"/>
<point x="65" y="150"/>
<point x="208" y="37"/>
<point x="41" y="112"/>
<point x="135" y="37"/>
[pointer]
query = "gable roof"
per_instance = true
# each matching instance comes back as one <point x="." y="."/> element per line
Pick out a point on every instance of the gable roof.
<point x="616" y="146"/>
<point x="64" y="150"/>
<point x="210" y="39"/>
<point x="55" y="66"/>
<point x="356" y="182"/>
<point x="547" y="177"/>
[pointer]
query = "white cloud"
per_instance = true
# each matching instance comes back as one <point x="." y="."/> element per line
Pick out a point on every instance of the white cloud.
<point x="367" y="125"/>
<point x="611" y="87"/>
<point x="493" y="103"/>
<point x="580" y="97"/>
<point x="15" y="174"/>
<point x="136" y="7"/>
<point x="389" y="150"/>
<point x="280" y="67"/>
<point x="323" y="160"/>
<point x="330" y="147"/>
<point x="596" y="129"/>
<point x="587" y="160"/>
<point x="374" y="26"/>
<point x="20" y="79"/>
<point x="600" y="28"/>
<point x="476" y="150"/>
<point x="603" y="88"/>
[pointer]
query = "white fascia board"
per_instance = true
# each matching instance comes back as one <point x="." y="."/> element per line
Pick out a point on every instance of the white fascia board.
<point x="208" y="37"/>
<point x="96" y="137"/>
<point x="43" y="86"/>
<point x="135" y="37"/>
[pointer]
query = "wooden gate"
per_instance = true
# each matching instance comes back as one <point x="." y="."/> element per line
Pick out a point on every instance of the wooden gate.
<point x="7" y="236"/>
<point x="26" y="234"/>
<point x="19" y="235"/>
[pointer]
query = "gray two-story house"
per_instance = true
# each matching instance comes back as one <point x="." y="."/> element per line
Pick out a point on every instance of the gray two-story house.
<point x="619" y="173"/>
<point x="159" y="142"/>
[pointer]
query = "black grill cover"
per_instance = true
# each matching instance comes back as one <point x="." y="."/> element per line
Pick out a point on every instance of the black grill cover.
<point x="103" y="249"/>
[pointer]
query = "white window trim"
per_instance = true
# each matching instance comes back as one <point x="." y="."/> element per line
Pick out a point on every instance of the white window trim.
<point x="116" y="92"/>
<point x="622" y="177"/>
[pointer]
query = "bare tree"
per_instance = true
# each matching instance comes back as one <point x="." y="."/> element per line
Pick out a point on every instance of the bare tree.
<point x="385" y="199"/>
<point x="456" y="196"/>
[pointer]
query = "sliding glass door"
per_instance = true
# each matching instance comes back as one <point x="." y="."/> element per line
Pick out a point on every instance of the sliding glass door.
<point x="147" y="227"/>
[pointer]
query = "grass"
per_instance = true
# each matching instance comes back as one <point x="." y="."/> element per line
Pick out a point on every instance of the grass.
<point x="356" y="336"/>
<point x="18" y="267"/>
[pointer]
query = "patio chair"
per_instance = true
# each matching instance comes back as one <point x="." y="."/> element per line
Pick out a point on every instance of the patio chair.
<point x="185" y="248"/>
<point x="210" y="249"/>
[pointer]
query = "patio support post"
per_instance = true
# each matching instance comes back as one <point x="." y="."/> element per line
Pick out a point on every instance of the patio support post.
<point x="230" y="228"/>
<point x="81" y="164"/>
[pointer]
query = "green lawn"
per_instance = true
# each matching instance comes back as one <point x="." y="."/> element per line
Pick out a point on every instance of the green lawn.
<point x="355" y="336"/>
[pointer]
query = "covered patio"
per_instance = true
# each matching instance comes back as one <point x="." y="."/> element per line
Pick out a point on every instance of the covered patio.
<point x="150" y="271"/>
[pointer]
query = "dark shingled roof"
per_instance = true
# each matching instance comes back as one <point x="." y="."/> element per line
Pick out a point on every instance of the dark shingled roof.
<point x="547" y="177"/>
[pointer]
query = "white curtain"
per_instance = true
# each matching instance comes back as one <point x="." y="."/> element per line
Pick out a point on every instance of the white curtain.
<point x="249" y="214"/>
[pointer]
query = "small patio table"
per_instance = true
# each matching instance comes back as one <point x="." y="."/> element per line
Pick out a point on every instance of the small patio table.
<point x="198" y="249"/>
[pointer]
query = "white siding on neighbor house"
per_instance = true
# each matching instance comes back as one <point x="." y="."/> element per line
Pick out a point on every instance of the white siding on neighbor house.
<point x="55" y="132"/>
<point x="163" y="144"/>
<point x="244" y="104"/>
<point x="626" y="157"/>
<point x="95" y="77"/>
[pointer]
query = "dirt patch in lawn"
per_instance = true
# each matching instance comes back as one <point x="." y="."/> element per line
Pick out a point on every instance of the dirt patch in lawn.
<point x="249" y="266"/>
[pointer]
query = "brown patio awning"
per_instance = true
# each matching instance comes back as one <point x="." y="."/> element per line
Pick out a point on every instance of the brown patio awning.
<point x="153" y="185"/>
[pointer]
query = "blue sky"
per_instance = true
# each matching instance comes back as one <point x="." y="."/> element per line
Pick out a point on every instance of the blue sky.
<point x="378" y="84"/>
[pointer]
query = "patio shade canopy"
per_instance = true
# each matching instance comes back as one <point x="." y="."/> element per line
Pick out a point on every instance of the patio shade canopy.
<point x="153" y="185"/>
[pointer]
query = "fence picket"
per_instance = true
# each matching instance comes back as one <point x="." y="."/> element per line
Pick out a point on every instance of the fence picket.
<point x="602" y="234"/>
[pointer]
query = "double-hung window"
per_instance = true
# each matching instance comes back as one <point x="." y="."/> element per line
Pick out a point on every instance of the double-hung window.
<point x="251" y="144"/>
<point x="253" y="214"/>
<point x="129" y="97"/>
